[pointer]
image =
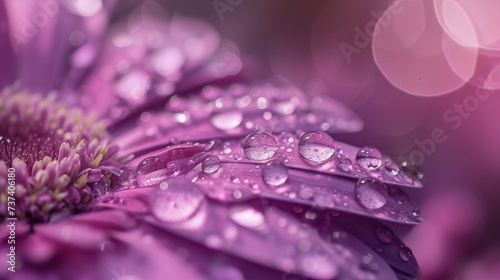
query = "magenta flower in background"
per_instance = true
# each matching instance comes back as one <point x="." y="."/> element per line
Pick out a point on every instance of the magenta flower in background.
<point x="147" y="153"/>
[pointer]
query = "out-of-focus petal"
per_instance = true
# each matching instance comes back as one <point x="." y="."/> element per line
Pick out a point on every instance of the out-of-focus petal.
<point x="48" y="38"/>
<point x="144" y="62"/>
<point x="7" y="60"/>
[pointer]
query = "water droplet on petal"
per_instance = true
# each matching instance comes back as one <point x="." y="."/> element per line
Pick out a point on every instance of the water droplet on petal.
<point x="175" y="200"/>
<point x="275" y="173"/>
<point x="316" y="146"/>
<point x="227" y="120"/>
<point x="345" y="165"/>
<point x="246" y="216"/>
<point x="369" y="158"/>
<point x="126" y="177"/>
<point x="371" y="193"/>
<point x="384" y="234"/>
<point x="149" y="165"/>
<point x="391" y="167"/>
<point x="405" y="254"/>
<point x="260" y="146"/>
<point x="416" y="212"/>
<point x="211" y="164"/>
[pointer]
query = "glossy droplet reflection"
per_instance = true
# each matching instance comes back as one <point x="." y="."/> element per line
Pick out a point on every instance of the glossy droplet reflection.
<point x="384" y="234"/>
<point x="211" y="164"/>
<point x="316" y="146"/>
<point x="149" y="165"/>
<point x="391" y="167"/>
<point x="246" y="216"/>
<point x="370" y="193"/>
<point x="345" y="165"/>
<point x="405" y="254"/>
<point x="369" y="158"/>
<point x="416" y="212"/>
<point x="260" y="146"/>
<point x="275" y="173"/>
<point x="175" y="200"/>
<point x="227" y="120"/>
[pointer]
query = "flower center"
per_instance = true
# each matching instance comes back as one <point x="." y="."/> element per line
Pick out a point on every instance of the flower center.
<point x="59" y="158"/>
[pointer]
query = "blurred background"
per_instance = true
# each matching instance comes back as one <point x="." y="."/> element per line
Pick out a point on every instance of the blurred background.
<point x="423" y="75"/>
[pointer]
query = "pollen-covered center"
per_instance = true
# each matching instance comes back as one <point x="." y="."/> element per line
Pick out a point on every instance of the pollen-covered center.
<point x="29" y="142"/>
<point x="58" y="156"/>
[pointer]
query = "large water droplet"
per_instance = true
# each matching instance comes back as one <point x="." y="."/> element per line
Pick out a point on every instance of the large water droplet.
<point x="345" y="164"/>
<point x="384" y="234"/>
<point x="211" y="164"/>
<point x="175" y="200"/>
<point x="260" y="146"/>
<point x="275" y="173"/>
<point x="316" y="146"/>
<point x="405" y="254"/>
<point x="369" y="158"/>
<point x="227" y="120"/>
<point x="149" y="165"/>
<point x="246" y="216"/>
<point x="371" y="193"/>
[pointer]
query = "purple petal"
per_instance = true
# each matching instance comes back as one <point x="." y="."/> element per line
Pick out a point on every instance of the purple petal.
<point x="48" y="33"/>
<point x="144" y="61"/>
<point x="7" y="65"/>
<point x="72" y="233"/>
<point x="235" y="111"/>
<point x="266" y="236"/>
<point x="380" y="238"/>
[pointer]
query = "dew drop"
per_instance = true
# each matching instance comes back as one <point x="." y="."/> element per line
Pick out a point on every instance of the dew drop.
<point x="384" y="234"/>
<point x="316" y="146"/>
<point x="345" y="165"/>
<point x="391" y="167"/>
<point x="275" y="173"/>
<point x="126" y="177"/>
<point x="260" y="146"/>
<point x="211" y="164"/>
<point x="149" y="165"/>
<point x="369" y="158"/>
<point x="405" y="254"/>
<point x="371" y="193"/>
<point x="175" y="200"/>
<point x="416" y="212"/>
<point x="227" y="120"/>
<point x="246" y="216"/>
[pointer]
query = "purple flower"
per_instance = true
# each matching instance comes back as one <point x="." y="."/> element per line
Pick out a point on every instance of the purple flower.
<point x="188" y="170"/>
